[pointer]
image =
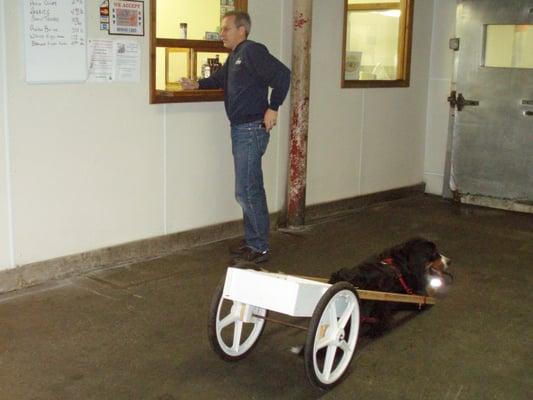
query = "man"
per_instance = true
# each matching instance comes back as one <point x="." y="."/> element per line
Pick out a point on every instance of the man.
<point x="246" y="77"/>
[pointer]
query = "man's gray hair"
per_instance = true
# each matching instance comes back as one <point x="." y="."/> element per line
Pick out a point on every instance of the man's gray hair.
<point x="241" y="19"/>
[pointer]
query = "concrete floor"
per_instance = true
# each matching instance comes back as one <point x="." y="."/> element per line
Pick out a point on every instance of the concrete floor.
<point x="139" y="331"/>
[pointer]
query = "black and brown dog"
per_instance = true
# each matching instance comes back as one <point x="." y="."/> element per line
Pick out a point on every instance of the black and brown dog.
<point x="407" y="268"/>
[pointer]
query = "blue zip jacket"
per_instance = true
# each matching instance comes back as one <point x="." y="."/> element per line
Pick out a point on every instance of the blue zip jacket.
<point x="245" y="77"/>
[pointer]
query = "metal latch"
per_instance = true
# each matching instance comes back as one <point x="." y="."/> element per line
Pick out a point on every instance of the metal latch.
<point x="458" y="101"/>
<point x="452" y="99"/>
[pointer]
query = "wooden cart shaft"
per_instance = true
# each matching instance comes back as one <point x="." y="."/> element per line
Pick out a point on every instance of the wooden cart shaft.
<point x="383" y="296"/>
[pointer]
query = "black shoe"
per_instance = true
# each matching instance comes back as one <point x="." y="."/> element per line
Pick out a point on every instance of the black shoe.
<point x="252" y="256"/>
<point x="239" y="248"/>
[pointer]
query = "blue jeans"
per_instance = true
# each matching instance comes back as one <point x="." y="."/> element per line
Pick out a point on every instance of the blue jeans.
<point x="249" y="142"/>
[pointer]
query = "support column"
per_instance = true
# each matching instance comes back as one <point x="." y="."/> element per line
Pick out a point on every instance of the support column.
<point x="301" y="65"/>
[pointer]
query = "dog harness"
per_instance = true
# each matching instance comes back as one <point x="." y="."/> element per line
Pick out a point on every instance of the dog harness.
<point x="390" y="262"/>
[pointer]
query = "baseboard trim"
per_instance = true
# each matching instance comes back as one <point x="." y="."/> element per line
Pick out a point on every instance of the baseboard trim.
<point x="142" y="250"/>
<point x="359" y="202"/>
<point x="62" y="267"/>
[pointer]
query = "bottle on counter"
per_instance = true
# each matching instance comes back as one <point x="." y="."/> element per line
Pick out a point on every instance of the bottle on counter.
<point x="215" y="64"/>
<point x="211" y="66"/>
<point x="206" y="69"/>
<point x="183" y="30"/>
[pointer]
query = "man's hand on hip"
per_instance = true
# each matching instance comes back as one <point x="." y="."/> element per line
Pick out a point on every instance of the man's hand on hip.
<point x="270" y="119"/>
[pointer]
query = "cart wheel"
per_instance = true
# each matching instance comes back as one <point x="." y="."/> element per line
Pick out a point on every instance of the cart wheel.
<point x="233" y="327"/>
<point x="332" y="335"/>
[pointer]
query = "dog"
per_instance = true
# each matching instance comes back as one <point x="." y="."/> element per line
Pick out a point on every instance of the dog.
<point x="407" y="268"/>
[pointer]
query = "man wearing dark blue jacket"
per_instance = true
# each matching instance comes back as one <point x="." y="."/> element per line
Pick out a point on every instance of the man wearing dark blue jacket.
<point x="246" y="77"/>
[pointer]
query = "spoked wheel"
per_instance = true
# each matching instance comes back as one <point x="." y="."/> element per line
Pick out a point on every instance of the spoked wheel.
<point x="233" y="327"/>
<point x="332" y="335"/>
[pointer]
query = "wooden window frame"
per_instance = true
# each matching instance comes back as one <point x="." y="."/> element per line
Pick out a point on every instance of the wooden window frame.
<point x="194" y="46"/>
<point x="404" y="44"/>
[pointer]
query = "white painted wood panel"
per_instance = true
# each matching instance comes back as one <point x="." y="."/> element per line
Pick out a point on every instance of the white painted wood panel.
<point x="5" y="223"/>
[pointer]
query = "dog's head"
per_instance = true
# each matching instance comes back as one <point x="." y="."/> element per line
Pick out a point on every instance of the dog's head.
<point x="427" y="262"/>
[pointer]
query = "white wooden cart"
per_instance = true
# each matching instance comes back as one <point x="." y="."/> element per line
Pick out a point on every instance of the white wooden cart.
<point x="240" y="308"/>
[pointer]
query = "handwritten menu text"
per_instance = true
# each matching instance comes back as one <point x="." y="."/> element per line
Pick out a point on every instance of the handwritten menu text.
<point x="56" y="23"/>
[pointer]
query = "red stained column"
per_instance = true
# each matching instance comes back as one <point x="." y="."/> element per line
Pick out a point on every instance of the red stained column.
<point x="301" y="63"/>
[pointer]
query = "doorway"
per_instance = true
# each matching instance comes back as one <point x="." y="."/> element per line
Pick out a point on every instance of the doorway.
<point x="490" y="156"/>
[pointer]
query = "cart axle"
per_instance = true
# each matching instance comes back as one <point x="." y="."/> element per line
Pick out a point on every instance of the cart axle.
<point x="277" y="321"/>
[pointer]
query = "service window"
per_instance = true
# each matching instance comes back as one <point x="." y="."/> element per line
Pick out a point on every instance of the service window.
<point x="184" y="42"/>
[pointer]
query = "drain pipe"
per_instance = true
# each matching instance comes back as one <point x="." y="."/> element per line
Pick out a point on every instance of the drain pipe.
<point x="301" y="65"/>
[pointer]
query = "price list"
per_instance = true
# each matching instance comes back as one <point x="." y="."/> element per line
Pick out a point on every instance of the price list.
<point x="55" y="23"/>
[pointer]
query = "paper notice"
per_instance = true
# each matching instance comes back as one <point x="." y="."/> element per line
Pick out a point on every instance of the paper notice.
<point x="100" y="60"/>
<point x="114" y="61"/>
<point x="127" y="61"/>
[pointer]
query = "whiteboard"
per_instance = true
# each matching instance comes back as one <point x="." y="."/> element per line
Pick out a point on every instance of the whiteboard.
<point x="55" y="41"/>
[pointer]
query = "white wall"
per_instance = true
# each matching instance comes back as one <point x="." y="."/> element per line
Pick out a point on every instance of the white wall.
<point x="440" y="77"/>
<point x="336" y="114"/>
<point x="85" y="158"/>
<point x="5" y="240"/>
<point x="94" y="165"/>
<point x="364" y="140"/>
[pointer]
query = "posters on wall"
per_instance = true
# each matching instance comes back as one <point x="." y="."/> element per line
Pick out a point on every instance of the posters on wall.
<point x="126" y="17"/>
<point x="104" y="15"/>
<point x="114" y="61"/>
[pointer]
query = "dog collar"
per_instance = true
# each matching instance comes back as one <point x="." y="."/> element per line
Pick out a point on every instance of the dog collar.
<point x="390" y="262"/>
